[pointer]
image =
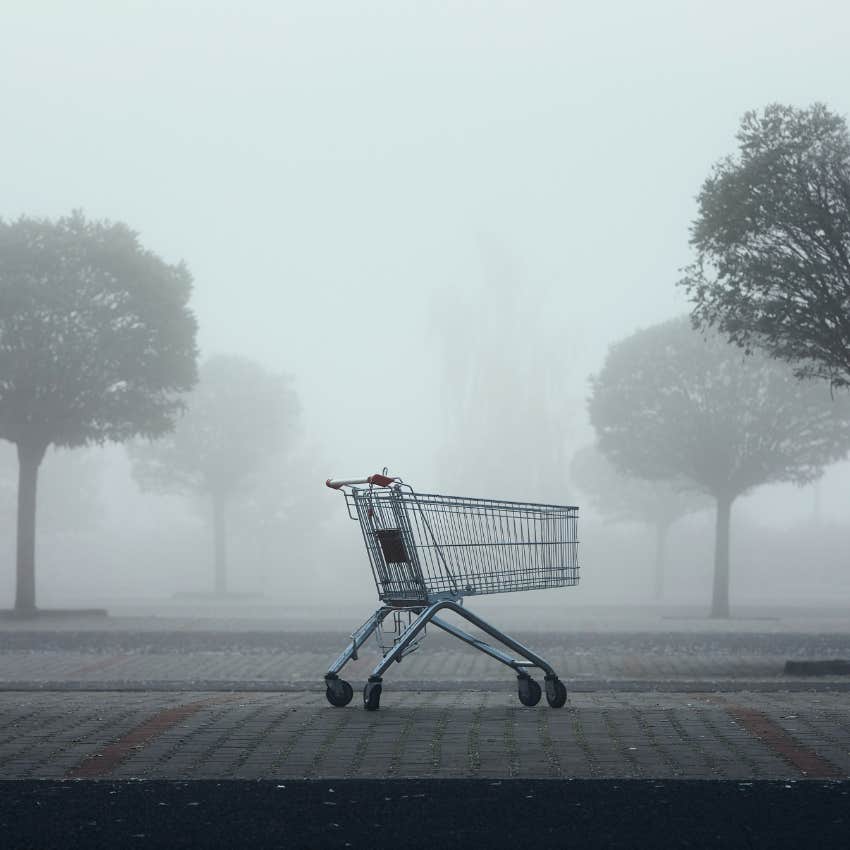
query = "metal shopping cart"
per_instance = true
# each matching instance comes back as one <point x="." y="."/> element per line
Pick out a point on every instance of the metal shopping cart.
<point x="428" y="552"/>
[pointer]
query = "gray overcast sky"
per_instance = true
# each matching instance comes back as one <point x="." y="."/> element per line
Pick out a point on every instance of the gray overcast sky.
<point x="327" y="169"/>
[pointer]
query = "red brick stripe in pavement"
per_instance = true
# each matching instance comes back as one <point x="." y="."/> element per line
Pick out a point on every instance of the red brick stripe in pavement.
<point x="808" y="762"/>
<point x="103" y="762"/>
<point x="111" y="661"/>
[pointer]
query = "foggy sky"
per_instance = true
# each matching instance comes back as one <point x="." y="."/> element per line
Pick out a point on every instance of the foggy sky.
<point x="328" y="169"/>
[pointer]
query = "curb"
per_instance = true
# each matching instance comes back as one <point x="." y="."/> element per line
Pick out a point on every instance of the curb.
<point x="832" y="667"/>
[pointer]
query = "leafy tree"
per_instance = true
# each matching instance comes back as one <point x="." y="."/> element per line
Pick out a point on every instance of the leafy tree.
<point x="237" y="418"/>
<point x="96" y="342"/>
<point x="622" y="498"/>
<point x="773" y="241"/>
<point x="672" y="405"/>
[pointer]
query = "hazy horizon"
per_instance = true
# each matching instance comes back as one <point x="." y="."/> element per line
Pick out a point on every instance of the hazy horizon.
<point x="356" y="185"/>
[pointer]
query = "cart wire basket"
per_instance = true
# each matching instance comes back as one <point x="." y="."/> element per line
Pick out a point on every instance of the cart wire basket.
<point x="428" y="551"/>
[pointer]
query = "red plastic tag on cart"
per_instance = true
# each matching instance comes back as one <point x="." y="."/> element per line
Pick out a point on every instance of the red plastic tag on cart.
<point x="381" y="480"/>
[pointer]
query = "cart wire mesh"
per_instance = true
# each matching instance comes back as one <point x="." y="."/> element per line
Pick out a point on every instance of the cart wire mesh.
<point x="423" y="545"/>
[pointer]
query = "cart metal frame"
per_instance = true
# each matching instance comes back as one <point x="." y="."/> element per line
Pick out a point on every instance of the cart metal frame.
<point x="428" y="551"/>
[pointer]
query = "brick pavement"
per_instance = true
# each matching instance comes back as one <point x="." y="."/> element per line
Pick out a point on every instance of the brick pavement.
<point x="189" y="703"/>
<point x="447" y="665"/>
<point x="438" y="734"/>
<point x="300" y="657"/>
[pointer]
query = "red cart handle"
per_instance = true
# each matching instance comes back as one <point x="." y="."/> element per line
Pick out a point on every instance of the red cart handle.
<point x="376" y="479"/>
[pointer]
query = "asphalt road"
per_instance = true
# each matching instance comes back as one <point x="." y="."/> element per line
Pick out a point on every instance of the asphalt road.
<point x="425" y="813"/>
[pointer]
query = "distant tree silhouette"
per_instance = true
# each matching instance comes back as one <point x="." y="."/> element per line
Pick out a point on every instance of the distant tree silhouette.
<point x="237" y="418"/>
<point x="502" y="396"/>
<point x="672" y="405"/>
<point x="277" y="521"/>
<point x="623" y="498"/>
<point x="773" y="241"/>
<point x="96" y="342"/>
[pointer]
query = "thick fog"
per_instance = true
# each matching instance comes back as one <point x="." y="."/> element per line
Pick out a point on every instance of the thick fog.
<point x="435" y="218"/>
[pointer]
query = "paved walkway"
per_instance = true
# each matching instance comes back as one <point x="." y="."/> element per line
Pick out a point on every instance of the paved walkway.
<point x="201" y="699"/>
<point x="229" y="658"/>
<point x="434" y="734"/>
<point x="434" y="665"/>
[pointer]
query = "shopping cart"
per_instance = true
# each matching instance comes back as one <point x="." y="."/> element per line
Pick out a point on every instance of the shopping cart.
<point x="428" y="552"/>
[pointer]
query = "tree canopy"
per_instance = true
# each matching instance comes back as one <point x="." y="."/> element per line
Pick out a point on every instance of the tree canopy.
<point x="772" y="238"/>
<point x="673" y="405"/>
<point x="96" y="335"/>
<point x="97" y="341"/>
<point x="237" y="418"/>
<point x="624" y="498"/>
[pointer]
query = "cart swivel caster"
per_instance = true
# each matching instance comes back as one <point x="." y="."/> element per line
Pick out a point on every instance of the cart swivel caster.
<point x="372" y="694"/>
<point x="338" y="692"/>
<point x="556" y="692"/>
<point x="528" y="690"/>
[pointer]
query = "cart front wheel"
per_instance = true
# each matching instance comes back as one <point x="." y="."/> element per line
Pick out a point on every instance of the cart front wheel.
<point x="528" y="691"/>
<point x="339" y="692"/>
<point x="556" y="692"/>
<point x="372" y="696"/>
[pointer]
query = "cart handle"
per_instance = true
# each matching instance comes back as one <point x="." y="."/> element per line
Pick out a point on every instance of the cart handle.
<point x="376" y="479"/>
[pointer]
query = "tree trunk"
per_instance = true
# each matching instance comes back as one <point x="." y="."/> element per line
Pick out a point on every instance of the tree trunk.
<point x="720" y="597"/>
<point x="661" y="529"/>
<point x="219" y="544"/>
<point x="817" y="508"/>
<point x="29" y="459"/>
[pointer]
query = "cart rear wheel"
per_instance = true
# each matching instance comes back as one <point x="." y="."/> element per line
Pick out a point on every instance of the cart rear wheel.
<point x="556" y="692"/>
<point x="339" y="692"/>
<point x="372" y="696"/>
<point x="528" y="691"/>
